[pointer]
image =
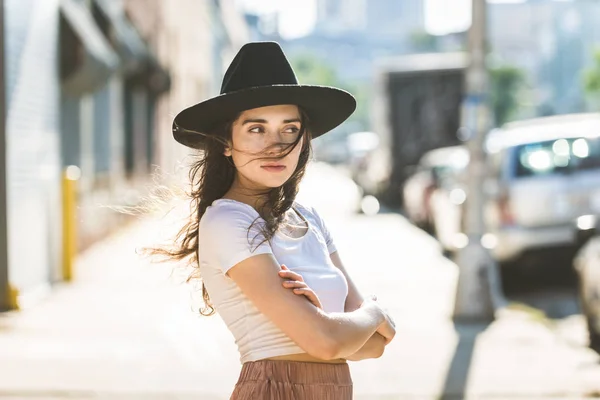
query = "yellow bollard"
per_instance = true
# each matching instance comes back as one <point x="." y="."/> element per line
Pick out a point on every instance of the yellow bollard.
<point x="71" y="175"/>
<point x="13" y="298"/>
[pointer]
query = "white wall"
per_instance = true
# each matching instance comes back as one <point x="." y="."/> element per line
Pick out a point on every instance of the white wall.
<point x="33" y="159"/>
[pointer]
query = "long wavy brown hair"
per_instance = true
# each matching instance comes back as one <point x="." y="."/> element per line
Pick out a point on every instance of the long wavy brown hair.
<point x="212" y="175"/>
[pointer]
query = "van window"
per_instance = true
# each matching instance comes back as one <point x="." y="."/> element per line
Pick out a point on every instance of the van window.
<point x="557" y="156"/>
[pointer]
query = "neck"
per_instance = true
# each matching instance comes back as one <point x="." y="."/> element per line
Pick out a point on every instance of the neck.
<point x="246" y="194"/>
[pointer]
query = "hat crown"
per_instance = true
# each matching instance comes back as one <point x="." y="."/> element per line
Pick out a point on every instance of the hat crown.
<point x="258" y="64"/>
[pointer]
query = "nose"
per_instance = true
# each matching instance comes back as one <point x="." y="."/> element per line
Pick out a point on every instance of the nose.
<point x="274" y="150"/>
<point x="276" y="146"/>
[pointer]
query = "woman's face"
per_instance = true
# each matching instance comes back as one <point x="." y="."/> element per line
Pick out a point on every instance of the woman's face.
<point x="265" y="132"/>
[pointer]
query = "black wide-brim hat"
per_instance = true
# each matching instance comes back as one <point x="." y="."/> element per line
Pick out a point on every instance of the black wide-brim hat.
<point x="260" y="75"/>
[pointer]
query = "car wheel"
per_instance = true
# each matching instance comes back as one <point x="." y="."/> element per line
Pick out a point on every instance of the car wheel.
<point x="451" y="255"/>
<point x="428" y="226"/>
<point x="594" y="337"/>
<point x="590" y="319"/>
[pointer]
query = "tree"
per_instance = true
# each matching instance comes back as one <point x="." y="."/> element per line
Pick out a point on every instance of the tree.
<point x="421" y="41"/>
<point x="506" y="82"/>
<point x="311" y="70"/>
<point x="591" y="77"/>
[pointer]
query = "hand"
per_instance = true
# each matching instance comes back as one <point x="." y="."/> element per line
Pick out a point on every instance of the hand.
<point x="369" y="298"/>
<point x="295" y="282"/>
<point x="388" y="328"/>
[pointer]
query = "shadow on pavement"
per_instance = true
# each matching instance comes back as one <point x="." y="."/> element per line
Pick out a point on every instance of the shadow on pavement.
<point x="548" y="284"/>
<point x="455" y="385"/>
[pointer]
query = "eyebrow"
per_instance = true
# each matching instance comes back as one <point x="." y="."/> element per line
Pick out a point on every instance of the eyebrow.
<point x="264" y="121"/>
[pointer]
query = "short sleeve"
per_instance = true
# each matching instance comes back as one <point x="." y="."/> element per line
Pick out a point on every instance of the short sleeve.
<point x="229" y="240"/>
<point x="326" y="234"/>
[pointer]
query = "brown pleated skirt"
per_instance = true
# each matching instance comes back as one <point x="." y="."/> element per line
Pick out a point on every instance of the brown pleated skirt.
<point x="293" y="380"/>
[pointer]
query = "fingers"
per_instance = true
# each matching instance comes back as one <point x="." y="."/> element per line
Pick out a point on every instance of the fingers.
<point x="388" y="336"/>
<point x="294" y="284"/>
<point x="290" y="275"/>
<point x="304" y="291"/>
<point x="310" y="295"/>
<point x="301" y="288"/>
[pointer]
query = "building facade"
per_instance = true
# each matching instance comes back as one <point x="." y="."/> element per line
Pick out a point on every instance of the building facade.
<point x="95" y="84"/>
<point x="33" y="169"/>
<point x="195" y="41"/>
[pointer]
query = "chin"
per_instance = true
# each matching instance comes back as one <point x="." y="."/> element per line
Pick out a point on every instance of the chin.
<point x="273" y="182"/>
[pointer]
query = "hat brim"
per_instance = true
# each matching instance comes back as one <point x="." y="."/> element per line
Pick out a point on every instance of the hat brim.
<point x="326" y="107"/>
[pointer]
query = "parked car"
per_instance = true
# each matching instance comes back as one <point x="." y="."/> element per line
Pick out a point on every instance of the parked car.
<point x="587" y="265"/>
<point x="542" y="173"/>
<point x="365" y="162"/>
<point x="436" y="170"/>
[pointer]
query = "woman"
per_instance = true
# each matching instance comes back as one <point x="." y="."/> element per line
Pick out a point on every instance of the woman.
<point x="261" y="255"/>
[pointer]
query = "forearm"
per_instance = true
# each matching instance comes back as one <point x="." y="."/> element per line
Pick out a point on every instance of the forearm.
<point x="353" y="302"/>
<point x="350" y="331"/>
<point x="373" y="348"/>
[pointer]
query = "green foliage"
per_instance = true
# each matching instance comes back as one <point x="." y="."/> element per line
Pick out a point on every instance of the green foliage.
<point x="506" y="82"/>
<point x="422" y="41"/>
<point x="311" y="70"/>
<point x="591" y="77"/>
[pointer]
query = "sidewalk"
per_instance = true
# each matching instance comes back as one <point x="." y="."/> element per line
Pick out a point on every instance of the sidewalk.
<point x="125" y="330"/>
<point x="518" y="356"/>
<point x="124" y="327"/>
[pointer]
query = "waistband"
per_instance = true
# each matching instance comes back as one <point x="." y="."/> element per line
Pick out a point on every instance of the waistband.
<point x="299" y="372"/>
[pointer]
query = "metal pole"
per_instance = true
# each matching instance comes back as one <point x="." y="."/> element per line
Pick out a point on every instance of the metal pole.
<point x="5" y="301"/>
<point x="474" y="293"/>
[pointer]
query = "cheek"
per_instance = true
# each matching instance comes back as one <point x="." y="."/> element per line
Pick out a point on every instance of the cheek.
<point x="241" y="160"/>
<point x="250" y="146"/>
<point x="296" y="152"/>
<point x="245" y="151"/>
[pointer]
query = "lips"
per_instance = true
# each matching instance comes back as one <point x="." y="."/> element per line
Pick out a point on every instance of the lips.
<point x="273" y="167"/>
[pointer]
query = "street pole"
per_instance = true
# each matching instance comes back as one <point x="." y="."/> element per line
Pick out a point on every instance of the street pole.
<point x="474" y="292"/>
<point x="5" y="302"/>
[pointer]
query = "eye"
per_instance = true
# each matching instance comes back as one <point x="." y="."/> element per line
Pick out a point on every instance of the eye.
<point x="292" y="129"/>
<point x="256" y="129"/>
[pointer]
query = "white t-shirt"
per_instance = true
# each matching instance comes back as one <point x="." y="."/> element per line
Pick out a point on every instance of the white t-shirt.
<point x="224" y="241"/>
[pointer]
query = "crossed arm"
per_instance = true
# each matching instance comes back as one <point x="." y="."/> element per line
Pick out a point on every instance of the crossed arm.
<point x="374" y="347"/>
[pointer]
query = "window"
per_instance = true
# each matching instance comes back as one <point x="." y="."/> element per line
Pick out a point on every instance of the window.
<point x="557" y="156"/>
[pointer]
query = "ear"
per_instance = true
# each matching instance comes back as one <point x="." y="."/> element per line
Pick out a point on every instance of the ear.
<point x="227" y="152"/>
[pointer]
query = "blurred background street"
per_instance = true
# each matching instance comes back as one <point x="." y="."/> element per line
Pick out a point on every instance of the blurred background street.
<point x="464" y="191"/>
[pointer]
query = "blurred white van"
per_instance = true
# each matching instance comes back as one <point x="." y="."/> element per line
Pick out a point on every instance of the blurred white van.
<point x="543" y="173"/>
